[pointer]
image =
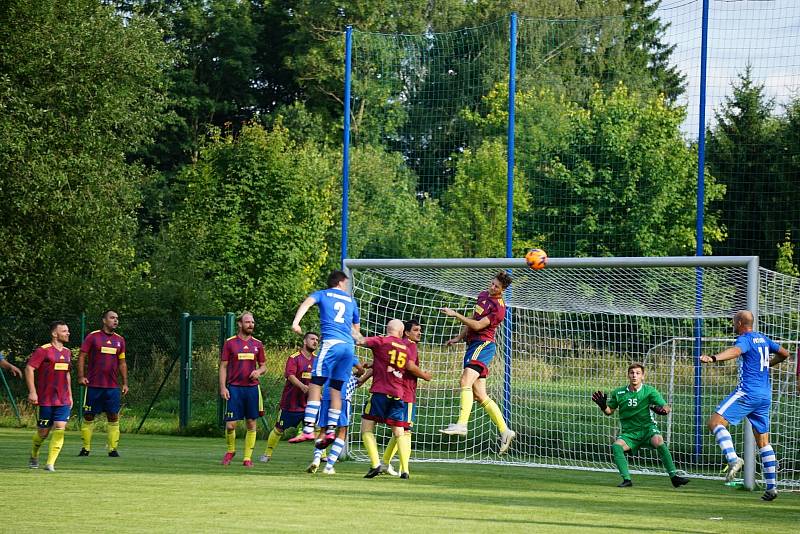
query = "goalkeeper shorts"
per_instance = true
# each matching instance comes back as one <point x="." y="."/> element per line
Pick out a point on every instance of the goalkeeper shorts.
<point x="639" y="438"/>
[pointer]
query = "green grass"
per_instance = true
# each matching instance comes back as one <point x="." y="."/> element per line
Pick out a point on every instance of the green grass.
<point x="175" y="484"/>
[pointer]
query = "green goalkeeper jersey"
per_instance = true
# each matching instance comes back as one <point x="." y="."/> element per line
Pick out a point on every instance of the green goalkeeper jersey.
<point x="633" y="407"/>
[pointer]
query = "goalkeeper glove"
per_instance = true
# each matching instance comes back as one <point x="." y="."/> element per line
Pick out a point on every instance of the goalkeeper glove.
<point x="599" y="398"/>
<point x="660" y="410"/>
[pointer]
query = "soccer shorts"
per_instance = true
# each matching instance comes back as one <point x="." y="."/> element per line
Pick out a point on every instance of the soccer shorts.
<point x="481" y="354"/>
<point x="245" y="403"/>
<point x="739" y="405"/>
<point x="335" y="360"/>
<point x="99" y="400"/>
<point x="410" y="414"/>
<point x="639" y="438"/>
<point x="287" y="419"/>
<point x="344" y="418"/>
<point x="385" y="409"/>
<point x="50" y="414"/>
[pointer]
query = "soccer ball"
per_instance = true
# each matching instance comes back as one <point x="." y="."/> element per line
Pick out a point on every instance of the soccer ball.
<point x="536" y="258"/>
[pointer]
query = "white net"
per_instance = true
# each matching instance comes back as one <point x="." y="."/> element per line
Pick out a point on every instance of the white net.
<point x="570" y="331"/>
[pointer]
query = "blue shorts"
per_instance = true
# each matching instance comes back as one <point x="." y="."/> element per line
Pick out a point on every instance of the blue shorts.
<point x="335" y="360"/>
<point x="50" y="414"/>
<point x="739" y="405"/>
<point x="344" y="418"/>
<point x="99" y="400"/>
<point x="289" y="419"/>
<point x="385" y="409"/>
<point x="410" y="414"/>
<point x="245" y="403"/>
<point x="480" y="353"/>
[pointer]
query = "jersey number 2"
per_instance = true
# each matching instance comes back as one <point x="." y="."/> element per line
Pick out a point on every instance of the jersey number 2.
<point x="340" y="309"/>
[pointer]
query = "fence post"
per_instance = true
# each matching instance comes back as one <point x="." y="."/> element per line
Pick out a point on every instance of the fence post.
<point x="186" y="371"/>
<point x="81" y="387"/>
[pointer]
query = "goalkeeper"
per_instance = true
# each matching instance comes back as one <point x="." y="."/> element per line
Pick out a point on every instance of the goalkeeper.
<point x="639" y="429"/>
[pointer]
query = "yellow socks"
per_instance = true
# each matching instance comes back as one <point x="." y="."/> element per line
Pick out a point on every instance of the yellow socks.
<point x="372" y="448"/>
<point x="466" y="405"/>
<point x="230" y="439"/>
<point x="272" y="441"/>
<point x="391" y="450"/>
<point x="495" y="414"/>
<point x="56" y="442"/>
<point x="37" y="444"/>
<point x="86" y="434"/>
<point x="249" y="444"/>
<point x="404" y="451"/>
<point x="113" y="435"/>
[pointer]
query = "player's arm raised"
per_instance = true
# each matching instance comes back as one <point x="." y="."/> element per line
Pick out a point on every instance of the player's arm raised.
<point x="728" y="354"/>
<point x="601" y="400"/>
<point x="301" y="312"/>
<point x="476" y="325"/>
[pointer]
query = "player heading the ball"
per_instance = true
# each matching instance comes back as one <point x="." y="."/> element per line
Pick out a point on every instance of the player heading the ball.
<point x="635" y="402"/>
<point x="479" y="332"/>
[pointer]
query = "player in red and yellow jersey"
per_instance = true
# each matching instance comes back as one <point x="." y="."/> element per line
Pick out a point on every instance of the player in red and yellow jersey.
<point x="242" y="362"/>
<point x="49" y="388"/>
<point x="413" y="333"/>
<point x="293" y="399"/>
<point x="105" y="351"/>
<point x="479" y="332"/>
<point x="392" y="358"/>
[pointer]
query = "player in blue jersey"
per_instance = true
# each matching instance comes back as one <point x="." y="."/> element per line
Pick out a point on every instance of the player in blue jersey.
<point x="339" y="325"/>
<point x="751" y="398"/>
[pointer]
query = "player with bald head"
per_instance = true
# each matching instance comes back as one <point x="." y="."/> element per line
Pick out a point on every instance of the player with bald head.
<point x="751" y="398"/>
<point x="393" y="357"/>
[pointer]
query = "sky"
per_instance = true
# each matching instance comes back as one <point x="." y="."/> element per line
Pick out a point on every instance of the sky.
<point x="762" y="33"/>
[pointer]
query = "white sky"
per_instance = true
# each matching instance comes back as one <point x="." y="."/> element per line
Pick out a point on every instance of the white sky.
<point x="763" y="33"/>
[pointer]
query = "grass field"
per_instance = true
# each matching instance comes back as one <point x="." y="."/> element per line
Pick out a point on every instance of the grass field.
<point x="175" y="484"/>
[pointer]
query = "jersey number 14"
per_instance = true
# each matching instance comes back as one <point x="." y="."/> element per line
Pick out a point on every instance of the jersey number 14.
<point x="764" y="353"/>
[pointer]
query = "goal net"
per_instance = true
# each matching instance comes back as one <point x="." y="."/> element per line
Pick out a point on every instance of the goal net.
<point x="573" y="328"/>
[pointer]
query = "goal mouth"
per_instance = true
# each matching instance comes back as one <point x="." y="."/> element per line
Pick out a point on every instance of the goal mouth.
<point x="570" y="329"/>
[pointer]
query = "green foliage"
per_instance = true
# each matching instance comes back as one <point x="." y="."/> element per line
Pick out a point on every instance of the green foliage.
<point x="213" y="81"/>
<point x="80" y="88"/>
<point x="612" y="178"/>
<point x="785" y="263"/>
<point x="476" y="202"/>
<point x="250" y="231"/>
<point x="388" y="219"/>
<point x="744" y="151"/>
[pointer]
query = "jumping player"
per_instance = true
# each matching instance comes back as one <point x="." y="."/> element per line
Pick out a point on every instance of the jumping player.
<point x="339" y="325"/>
<point x="479" y="332"/>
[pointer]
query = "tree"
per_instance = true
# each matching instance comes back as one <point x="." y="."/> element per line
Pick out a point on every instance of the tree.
<point x="388" y="219"/>
<point x="476" y="203"/>
<point x="744" y="152"/>
<point x="80" y="89"/>
<point x="250" y="232"/>
<point x="612" y="178"/>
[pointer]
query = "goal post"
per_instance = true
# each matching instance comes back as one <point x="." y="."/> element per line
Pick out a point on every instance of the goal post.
<point x="573" y="328"/>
